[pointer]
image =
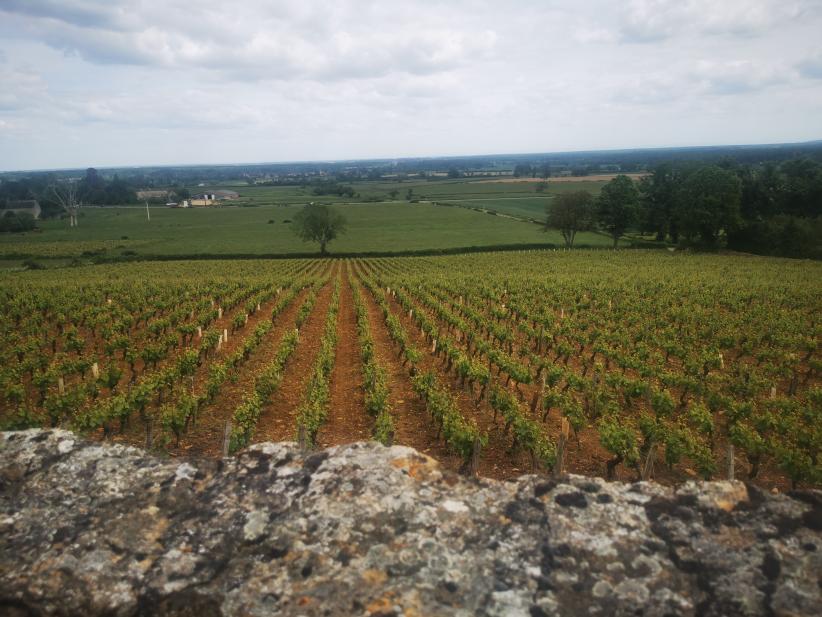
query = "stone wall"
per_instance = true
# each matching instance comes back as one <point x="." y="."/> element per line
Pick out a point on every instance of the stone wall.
<point x="91" y="529"/>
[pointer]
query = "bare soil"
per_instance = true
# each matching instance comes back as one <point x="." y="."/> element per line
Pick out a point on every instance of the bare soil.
<point x="277" y="422"/>
<point x="347" y="419"/>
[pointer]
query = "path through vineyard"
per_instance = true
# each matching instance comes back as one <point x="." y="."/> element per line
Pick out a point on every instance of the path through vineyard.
<point x="277" y="422"/>
<point x="206" y="437"/>
<point x="347" y="419"/>
<point x="412" y="424"/>
<point x="497" y="459"/>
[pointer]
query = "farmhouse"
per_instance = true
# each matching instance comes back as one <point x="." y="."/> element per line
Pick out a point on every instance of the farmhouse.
<point x="206" y="199"/>
<point x="28" y="206"/>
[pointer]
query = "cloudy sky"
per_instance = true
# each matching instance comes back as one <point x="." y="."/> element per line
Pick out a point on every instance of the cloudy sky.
<point x="131" y="82"/>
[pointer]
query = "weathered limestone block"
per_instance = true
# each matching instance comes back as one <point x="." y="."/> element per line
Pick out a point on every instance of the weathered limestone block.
<point x="91" y="529"/>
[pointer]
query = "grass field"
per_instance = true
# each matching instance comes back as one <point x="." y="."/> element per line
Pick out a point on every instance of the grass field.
<point x="264" y="230"/>
<point x="431" y="190"/>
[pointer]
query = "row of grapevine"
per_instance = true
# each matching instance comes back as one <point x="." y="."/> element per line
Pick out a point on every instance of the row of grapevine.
<point x="314" y="408"/>
<point x="650" y="378"/>
<point x="375" y="376"/>
<point x="247" y="414"/>
<point x="459" y="433"/>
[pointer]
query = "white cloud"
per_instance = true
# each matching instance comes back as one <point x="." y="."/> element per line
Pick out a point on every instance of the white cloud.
<point x="103" y="82"/>
<point x="305" y="39"/>
<point x="736" y="77"/>
<point x="646" y="21"/>
<point x="20" y="89"/>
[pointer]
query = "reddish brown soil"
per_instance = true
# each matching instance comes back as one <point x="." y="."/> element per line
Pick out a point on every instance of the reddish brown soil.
<point x="585" y="454"/>
<point x="277" y="422"/>
<point x="496" y="460"/>
<point x="206" y="438"/>
<point x="347" y="419"/>
<point x="412" y="424"/>
<point x="135" y="433"/>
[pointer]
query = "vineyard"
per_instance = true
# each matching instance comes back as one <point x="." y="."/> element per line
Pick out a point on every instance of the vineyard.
<point x="627" y="364"/>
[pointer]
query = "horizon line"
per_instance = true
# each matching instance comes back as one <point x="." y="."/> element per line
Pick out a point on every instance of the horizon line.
<point x="413" y="158"/>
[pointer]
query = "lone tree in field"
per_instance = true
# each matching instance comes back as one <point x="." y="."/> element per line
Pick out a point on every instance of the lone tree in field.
<point x="317" y="223"/>
<point x="618" y="206"/>
<point x="570" y="213"/>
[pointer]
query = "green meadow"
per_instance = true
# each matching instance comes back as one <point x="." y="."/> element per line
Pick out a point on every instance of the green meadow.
<point x="441" y="215"/>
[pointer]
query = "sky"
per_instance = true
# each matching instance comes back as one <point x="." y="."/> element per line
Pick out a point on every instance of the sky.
<point x="157" y="82"/>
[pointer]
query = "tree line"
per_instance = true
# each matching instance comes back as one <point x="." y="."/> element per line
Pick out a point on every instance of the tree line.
<point x="770" y="209"/>
<point x="92" y="189"/>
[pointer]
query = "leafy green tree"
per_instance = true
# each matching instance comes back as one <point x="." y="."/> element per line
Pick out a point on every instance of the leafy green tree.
<point x="708" y="204"/>
<point x="618" y="206"/>
<point x="570" y="213"/>
<point x="658" y="200"/>
<point x="318" y="223"/>
<point x="17" y="222"/>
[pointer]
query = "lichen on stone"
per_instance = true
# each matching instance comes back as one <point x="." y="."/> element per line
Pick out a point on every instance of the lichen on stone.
<point x="362" y="529"/>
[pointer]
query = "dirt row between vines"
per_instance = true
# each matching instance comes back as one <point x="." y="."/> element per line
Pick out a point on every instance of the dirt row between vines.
<point x="278" y="419"/>
<point x="496" y="459"/>
<point x="135" y="433"/>
<point x="585" y="454"/>
<point x="206" y="437"/>
<point x="412" y="424"/>
<point x="347" y="419"/>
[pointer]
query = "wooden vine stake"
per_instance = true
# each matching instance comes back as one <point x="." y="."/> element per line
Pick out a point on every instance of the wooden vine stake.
<point x="226" y="437"/>
<point x="219" y="312"/>
<point x="538" y="396"/>
<point x="225" y="335"/>
<point x="648" y="467"/>
<point x="61" y="385"/>
<point x="473" y="465"/>
<point x="730" y="461"/>
<point x="199" y="332"/>
<point x="562" y="442"/>
<point x="302" y="438"/>
<point x="95" y="370"/>
<point x="434" y="346"/>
